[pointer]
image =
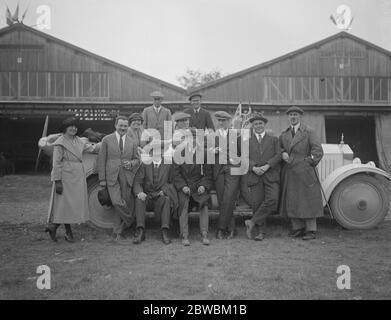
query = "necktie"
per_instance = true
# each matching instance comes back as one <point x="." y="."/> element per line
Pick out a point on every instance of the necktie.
<point x="121" y="144"/>
<point x="293" y="132"/>
<point x="259" y="138"/>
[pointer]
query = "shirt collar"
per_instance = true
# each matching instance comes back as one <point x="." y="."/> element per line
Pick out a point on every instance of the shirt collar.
<point x="223" y="131"/>
<point x="260" y="134"/>
<point x="296" y="127"/>
<point x="157" y="162"/>
<point x="119" y="137"/>
<point x="156" y="108"/>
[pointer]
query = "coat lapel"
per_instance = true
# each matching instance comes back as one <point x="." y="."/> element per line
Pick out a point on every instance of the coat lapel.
<point x="297" y="138"/>
<point x="115" y="142"/>
<point x="254" y="143"/>
<point x="148" y="171"/>
<point x="75" y="149"/>
<point x="162" y="170"/>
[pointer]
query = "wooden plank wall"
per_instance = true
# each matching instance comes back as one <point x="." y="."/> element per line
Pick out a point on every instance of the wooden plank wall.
<point x="124" y="85"/>
<point x="317" y="62"/>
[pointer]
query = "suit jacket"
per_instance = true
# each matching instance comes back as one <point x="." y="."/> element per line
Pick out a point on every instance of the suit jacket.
<point x="200" y="120"/>
<point x="260" y="154"/>
<point x="194" y="176"/>
<point x="144" y="178"/>
<point x="153" y="120"/>
<point x="220" y="142"/>
<point x="110" y="159"/>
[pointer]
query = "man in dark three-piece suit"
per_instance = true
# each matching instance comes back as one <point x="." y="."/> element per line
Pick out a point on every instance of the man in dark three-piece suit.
<point x="154" y="192"/>
<point x="263" y="177"/>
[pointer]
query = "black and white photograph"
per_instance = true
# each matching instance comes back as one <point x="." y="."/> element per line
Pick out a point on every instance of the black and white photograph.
<point x="193" y="156"/>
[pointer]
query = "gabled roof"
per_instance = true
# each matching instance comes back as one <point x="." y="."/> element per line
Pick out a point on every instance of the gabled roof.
<point x="21" y="26"/>
<point x="315" y="45"/>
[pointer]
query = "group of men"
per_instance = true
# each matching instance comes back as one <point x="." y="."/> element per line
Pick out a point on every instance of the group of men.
<point x="281" y="175"/>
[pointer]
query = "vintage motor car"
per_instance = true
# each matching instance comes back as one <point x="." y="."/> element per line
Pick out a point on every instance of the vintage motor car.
<point x="356" y="195"/>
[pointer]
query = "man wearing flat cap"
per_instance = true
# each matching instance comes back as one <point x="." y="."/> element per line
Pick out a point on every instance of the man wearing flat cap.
<point x="227" y="185"/>
<point x="301" y="198"/>
<point x="263" y="177"/>
<point x="155" y="115"/>
<point x="200" y="118"/>
<point x="193" y="182"/>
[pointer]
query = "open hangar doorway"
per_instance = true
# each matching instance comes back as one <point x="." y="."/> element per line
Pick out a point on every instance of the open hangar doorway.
<point x="359" y="133"/>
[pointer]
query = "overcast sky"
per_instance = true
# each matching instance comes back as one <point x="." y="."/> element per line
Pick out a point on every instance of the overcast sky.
<point x="165" y="37"/>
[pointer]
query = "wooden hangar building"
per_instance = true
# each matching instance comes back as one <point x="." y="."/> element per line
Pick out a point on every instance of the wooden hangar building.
<point x="343" y="83"/>
<point x="41" y="75"/>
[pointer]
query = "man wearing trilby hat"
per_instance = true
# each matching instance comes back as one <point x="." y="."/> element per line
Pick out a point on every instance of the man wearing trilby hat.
<point x="301" y="198"/>
<point x="155" y="115"/>
<point x="263" y="177"/>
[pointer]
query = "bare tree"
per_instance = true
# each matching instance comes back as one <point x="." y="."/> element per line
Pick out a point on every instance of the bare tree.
<point x="195" y="78"/>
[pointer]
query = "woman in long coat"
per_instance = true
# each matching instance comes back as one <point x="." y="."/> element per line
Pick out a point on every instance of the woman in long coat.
<point x="69" y="198"/>
<point x="301" y="198"/>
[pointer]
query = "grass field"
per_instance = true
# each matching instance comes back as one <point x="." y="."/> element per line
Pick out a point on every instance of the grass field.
<point x="96" y="268"/>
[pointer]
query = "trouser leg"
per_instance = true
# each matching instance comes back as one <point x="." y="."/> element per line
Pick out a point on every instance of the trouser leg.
<point x="162" y="209"/>
<point x="297" y="224"/>
<point x="268" y="205"/>
<point x="184" y="214"/>
<point x="310" y="224"/>
<point x="140" y="208"/>
<point x="204" y="219"/>
<point x="123" y="214"/>
<point x="230" y="187"/>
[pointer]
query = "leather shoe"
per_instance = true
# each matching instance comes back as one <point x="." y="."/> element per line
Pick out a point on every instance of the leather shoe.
<point x="52" y="229"/>
<point x="185" y="241"/>
<point x="296" y="233"/>
<point x="220" y="234"/>
<point x="118" y="237"/>
<point x="68" y="233"/>
<point x="231" y="234"/>
<point x="260" y="237"/>
<point x="249" y="228"/>
<point x="204" y="239"/>
<point x="139" y="236"/>
<point x="309" y="235"/>
<point x="165" y="238"/>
